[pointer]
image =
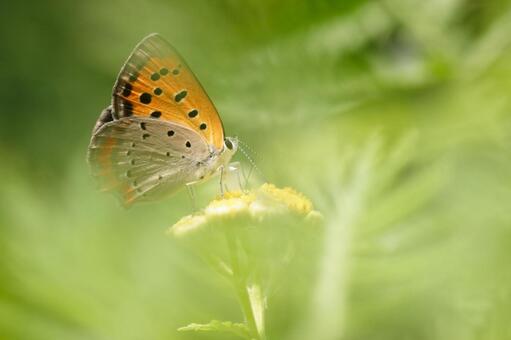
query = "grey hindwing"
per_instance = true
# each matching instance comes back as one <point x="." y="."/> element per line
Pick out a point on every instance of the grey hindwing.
<point x="143" y="159"/>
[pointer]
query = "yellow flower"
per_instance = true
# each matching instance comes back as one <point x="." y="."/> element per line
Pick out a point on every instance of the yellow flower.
<point x="188" y="224"/>
<point x="255" y="206"/>
<point x="250" y="238"/>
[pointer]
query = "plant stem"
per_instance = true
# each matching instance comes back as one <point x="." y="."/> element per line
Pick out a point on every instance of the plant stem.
<point x="239" y="280"/>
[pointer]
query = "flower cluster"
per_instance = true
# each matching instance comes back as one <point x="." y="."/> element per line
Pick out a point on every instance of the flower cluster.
<point x="249" y="238"/>
<point x="256" y="206"/>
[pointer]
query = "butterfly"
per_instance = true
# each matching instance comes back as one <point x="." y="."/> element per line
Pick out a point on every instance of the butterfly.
<point x="161" y="131"/>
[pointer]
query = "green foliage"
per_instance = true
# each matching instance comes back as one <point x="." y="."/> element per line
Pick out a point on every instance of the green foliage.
<point x="237" y="329"/>
<point x="392" y="116"/>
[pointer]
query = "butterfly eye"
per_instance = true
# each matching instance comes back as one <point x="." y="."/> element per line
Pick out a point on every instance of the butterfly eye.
<point x="228" y="144"/>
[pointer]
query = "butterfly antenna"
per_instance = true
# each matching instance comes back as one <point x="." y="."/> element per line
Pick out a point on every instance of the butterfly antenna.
<point x="248" y="149"/>
<point x="246" y="177"/>
<point x="242" y="147"/>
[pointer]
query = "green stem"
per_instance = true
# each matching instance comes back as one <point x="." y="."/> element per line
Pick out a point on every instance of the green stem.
<point x="239" y="280"/>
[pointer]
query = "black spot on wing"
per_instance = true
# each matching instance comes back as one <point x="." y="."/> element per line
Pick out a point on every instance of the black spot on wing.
<point x="126" y="91"/>
<point x="145" y="98"/>
<point x="180" y="96"/>
<point x="134" y="76"/>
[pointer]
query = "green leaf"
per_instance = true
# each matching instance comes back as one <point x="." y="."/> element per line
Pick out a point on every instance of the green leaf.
<point x="258" y="304"/>
<point x="238" y="329"/>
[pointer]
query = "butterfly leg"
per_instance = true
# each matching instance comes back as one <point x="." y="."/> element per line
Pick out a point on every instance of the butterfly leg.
<point x="249" y="173"/>
<point x="232" y="177"/>
<point x="240" y="172"/>
<point x="236" y="168"/>
<point x="239" y="175"/>
<point x="191" y="194"/>
<point x="222" y="181"/>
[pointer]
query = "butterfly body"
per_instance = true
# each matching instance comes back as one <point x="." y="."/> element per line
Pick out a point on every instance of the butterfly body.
<point x="161" y="132"/>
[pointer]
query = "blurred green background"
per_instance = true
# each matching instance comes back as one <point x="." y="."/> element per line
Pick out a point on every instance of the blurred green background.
<point x="394" y="117"/>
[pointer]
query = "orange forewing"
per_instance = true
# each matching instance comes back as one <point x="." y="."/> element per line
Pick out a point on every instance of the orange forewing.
<point x="155" y="82"/>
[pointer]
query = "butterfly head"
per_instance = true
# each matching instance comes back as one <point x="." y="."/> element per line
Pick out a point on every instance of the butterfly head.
<point x="231" y="144"/>
<point x="230" y="148"/>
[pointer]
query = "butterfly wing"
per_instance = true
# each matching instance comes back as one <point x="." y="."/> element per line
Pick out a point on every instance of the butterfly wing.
<point x="143" y="159"/>
<point x="156" y="83"/>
